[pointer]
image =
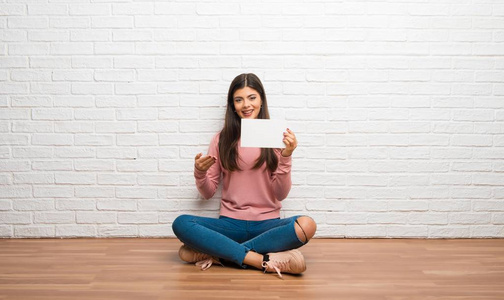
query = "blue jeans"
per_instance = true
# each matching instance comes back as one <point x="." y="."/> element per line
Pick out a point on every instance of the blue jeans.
<point x="231" y="239"/>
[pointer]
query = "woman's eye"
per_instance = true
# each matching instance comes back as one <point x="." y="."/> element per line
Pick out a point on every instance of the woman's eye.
<point x="237" y="100"/>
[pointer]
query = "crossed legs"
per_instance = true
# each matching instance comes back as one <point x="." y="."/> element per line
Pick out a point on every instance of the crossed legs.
<point x="230" y="238"/>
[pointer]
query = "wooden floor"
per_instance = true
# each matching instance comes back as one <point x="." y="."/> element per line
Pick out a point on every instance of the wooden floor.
<point x="337" y="269"/>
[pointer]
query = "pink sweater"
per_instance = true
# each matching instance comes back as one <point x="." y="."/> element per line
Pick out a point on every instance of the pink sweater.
<point x="249" y="194"/>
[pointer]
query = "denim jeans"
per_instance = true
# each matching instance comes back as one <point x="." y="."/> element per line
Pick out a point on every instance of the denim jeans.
<point x="231" y="239"/>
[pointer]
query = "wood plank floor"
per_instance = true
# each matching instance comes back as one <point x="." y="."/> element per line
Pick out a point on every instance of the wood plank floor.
<point x="337" y="269"/>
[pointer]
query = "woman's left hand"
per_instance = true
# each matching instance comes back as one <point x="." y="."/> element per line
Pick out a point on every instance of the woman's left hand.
<point x="290" y="142"/>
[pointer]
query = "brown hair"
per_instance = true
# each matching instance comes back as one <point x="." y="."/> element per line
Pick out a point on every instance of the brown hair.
<point x="230" y="134"/>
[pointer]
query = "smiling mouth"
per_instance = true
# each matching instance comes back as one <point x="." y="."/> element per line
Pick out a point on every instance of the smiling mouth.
<point x="247" y="113"/>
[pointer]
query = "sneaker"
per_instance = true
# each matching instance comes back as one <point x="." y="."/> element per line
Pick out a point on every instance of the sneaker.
<point x="291" y="261"/>
<point x="202" y="260"/>
<point x="190" y="255"/>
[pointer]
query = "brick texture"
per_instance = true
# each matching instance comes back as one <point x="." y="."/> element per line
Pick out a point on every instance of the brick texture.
<point x="398" y="107"/>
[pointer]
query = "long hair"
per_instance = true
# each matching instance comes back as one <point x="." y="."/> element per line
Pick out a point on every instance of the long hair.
<point x="230" y="134"/>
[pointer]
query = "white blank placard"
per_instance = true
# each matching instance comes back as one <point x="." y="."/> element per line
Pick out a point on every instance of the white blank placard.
<point x="263" y="133"/>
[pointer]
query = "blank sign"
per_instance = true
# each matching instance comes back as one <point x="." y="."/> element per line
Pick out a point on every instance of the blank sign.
<point x="261" y="133"/>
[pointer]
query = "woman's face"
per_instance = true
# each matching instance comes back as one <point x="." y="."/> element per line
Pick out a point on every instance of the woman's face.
<point x="247" y="103"/>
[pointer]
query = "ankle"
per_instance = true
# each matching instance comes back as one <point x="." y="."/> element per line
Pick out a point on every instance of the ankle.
<point x="264" y="261"/>
<point x="253" y="259"/>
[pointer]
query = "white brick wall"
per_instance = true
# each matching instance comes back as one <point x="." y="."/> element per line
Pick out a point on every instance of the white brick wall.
<point x="398" y="106"/>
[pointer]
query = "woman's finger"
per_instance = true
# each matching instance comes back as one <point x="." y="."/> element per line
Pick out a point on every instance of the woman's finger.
<point x="204" y="163"/>
<point x="209" y="164"/>
<point x="205" y="159"/>
<point x="290" y="134"/>
<point x="291" y="141"/>
<point x="287" y="143"/>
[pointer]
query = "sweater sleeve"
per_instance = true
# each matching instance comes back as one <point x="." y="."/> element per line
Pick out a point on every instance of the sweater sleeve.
<point x="208" y="181"/>
<point x="281" y="178"/>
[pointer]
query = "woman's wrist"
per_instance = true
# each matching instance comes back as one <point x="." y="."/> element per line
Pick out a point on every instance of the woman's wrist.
<point x="286" y="153"/>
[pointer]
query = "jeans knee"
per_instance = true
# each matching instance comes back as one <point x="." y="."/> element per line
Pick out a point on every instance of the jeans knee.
<point x="180" y="223"/>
